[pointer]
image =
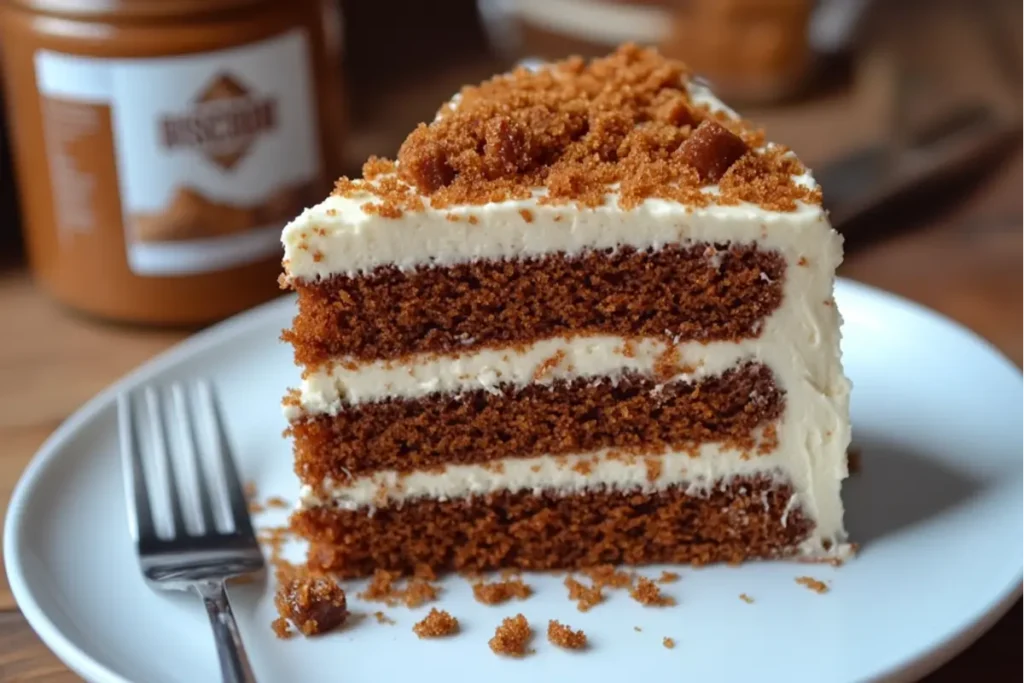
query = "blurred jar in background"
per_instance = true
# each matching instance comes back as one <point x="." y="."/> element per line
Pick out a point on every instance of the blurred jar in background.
<point x="753" y="51"/>
<point x="9" y="234"/>
<point x="160" y="146"/>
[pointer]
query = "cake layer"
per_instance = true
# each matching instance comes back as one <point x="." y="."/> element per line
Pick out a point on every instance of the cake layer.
<point x="677" y="293"/>
<point x="568" y="416"/>
<point x="741" y="519"/>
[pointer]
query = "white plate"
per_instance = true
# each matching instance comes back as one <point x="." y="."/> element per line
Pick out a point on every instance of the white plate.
<point x="937" y="509"/>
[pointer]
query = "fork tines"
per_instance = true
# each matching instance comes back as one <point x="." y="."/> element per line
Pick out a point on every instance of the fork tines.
<point x="165" y="447"/>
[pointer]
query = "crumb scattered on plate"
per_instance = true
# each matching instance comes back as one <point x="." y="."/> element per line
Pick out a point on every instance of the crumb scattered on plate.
<point x="813" y="584"/>
<point x="499" y="592"/>
<point x="746" y="598"/>
<point x="277" y="502"/>
<point x="608" y="576"/>
<point x="437" y="624"/>
<point x="314" y="604"/>
<point x="512" y="637"/>
<point x="585" y="596"/>
<point x="282" y="629"/>
<point x="383" y="618"/>
<point x="419" y="592"/>
<point x="637" y="629"/>
<point x="668" y="578"/>
<point x="381" y="587"/>
<point x="386" y="587"/>
<point x="563" y="636"/>
<point x="646" y="592"/>
<point x="668" y="642"/>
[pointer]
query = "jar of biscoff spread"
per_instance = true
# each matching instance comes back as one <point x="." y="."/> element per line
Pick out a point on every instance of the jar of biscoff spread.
<point x="161" y="145"/>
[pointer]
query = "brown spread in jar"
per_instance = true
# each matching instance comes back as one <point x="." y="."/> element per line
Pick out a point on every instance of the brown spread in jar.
<point x="161" y="145"/>
<point x="751" y="50"/>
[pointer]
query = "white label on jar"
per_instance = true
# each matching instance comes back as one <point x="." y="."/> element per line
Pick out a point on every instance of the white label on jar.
<point x="608" y="22"/>
<point x="214" y="152"/>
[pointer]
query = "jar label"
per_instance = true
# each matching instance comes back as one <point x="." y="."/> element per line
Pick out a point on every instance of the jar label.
<point x="209" y="154"/>
<point x="602" y="24"/>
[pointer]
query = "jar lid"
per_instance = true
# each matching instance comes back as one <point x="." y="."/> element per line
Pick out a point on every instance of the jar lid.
<point x="130" y="9"/>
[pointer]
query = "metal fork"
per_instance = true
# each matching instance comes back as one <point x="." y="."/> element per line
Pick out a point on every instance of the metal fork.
<point x="201" y="561"/>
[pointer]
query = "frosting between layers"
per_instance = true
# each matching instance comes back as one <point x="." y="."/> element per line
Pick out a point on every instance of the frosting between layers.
<point x="568" y="474"/>
<point x="329" y="390"/>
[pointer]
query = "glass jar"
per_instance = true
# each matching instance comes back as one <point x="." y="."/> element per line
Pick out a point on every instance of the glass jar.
<point x="751" y="50"/>
<point x="161" y="145"/>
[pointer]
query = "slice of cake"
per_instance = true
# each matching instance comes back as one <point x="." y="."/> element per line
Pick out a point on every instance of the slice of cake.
<point x="585" y="318"/>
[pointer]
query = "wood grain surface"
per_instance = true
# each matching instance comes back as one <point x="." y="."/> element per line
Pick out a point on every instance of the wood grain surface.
<point x="962" y="257"/>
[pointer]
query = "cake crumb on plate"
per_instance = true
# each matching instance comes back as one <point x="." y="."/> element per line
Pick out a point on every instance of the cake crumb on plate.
<point x="646" y="592"/>
<point x="282" y="629"/>
<point x="512" y="637"/>
<point x="500" y="592"/>
<point x="668" y="643"/>
<point x="384" y="587"/>
<point x="585" y="596"/>
<point x="314" y="604"/>
<point x="563" y="636"/>
<point x="668" y="577"/>
<point x="607" y="575"/>
<point x="813" y="584"/>
<point x="437" y="624"/>
<point x="419" y="592"/>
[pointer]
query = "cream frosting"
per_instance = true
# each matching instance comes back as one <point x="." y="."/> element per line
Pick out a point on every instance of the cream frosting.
<point x="566" y="474"/>
<point x="338" y="237"/>
<point x="330" y="389"/>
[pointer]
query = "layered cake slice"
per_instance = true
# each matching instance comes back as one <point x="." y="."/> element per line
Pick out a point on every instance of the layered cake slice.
<point x="586" y="317"/>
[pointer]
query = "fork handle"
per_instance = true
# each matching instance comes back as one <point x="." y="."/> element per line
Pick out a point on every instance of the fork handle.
<point x="234" y="664"/>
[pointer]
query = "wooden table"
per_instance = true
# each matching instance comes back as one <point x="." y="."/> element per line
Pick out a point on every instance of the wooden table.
<point x="964" y="262"/>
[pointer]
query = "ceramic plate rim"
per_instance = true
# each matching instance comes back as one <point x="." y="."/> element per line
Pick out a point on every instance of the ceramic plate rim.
<point x="47" y="456"/>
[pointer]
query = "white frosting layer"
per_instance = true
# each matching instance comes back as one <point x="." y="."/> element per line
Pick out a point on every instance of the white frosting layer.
<point x="564" y="473"/>
<point x="328" y="390"/>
